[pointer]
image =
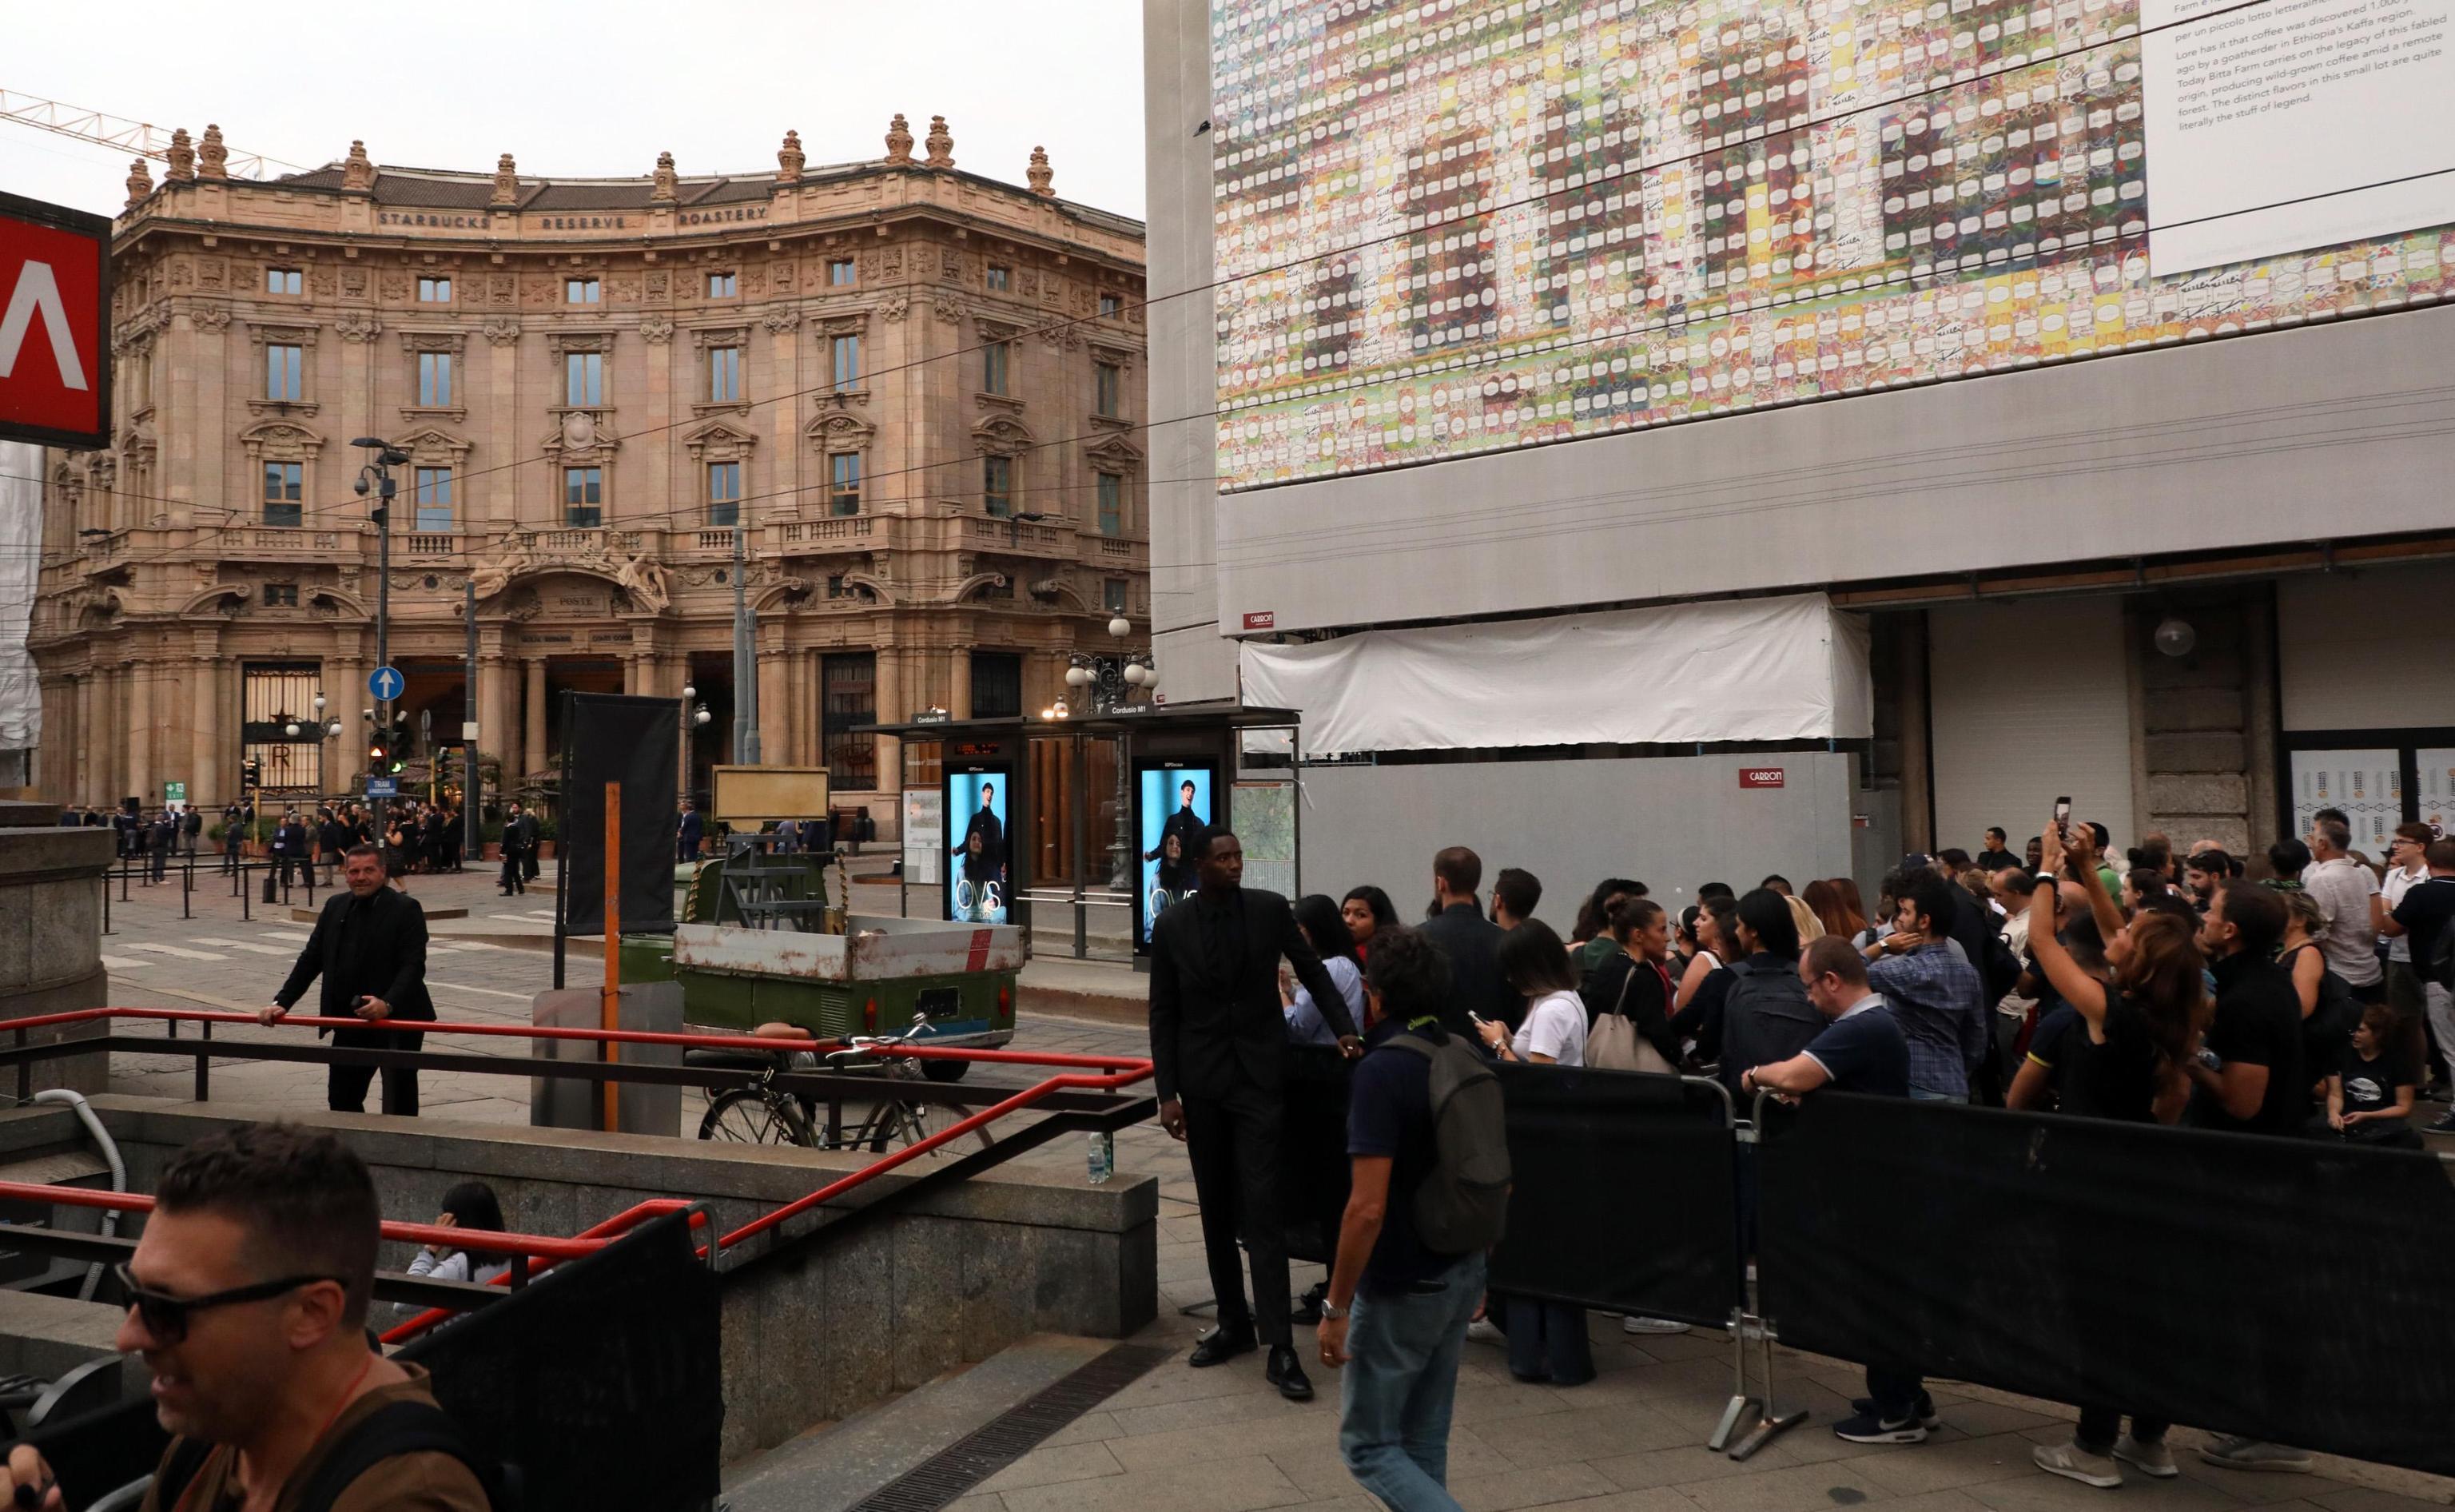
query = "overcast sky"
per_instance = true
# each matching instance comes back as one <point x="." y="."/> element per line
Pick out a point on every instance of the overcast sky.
<point x="590" y="88"/>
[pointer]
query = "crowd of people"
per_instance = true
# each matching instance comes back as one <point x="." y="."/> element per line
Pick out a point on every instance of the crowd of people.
<point x="2312" y="1001"/>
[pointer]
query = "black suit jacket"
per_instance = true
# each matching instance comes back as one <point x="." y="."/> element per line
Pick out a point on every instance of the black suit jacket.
<point x="1209" y="1036"/>
<point x="386" y="957"/>
<point x="1472" y="944"/>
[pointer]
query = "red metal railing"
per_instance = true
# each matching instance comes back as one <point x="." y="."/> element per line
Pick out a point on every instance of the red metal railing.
<point x="1076" y="1073"/>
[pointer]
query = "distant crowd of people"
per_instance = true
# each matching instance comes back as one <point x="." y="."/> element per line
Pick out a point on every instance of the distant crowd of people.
<point x="2174" y="989"/>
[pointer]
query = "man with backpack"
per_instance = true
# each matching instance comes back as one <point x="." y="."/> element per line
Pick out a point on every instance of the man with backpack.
<point x="1428" y="1143"/>
<point x="247" y="1298"/>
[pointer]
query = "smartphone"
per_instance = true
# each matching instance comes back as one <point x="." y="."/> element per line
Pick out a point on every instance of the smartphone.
<point x="2062" y="816"/>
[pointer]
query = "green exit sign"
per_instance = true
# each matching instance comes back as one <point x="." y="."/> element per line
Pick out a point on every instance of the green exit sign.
<point x="174" y="793"/>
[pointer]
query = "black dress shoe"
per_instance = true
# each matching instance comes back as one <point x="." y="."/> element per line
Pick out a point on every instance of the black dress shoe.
<point x="1220" y="1345"/>
<point x="1283" y="1373"/>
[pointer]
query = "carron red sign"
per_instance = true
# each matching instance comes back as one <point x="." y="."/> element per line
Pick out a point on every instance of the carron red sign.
<point x="1759" y="777"/>
<point x="1261" y="619"/>
<point x="55" y="311"/>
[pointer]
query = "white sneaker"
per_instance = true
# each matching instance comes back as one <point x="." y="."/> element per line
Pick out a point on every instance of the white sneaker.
<point x="2245" y="1453"/>
<point x="1484" y="1331"/>
<point x="1634" y="1324"/>
<point x="2148" y="1458"/>
<point x="2073" y="1462"/>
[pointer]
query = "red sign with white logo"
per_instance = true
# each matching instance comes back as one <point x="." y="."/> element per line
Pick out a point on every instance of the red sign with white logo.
<point x="1759" y="777"/>
<point x="1261" y="619"/>
<point x="54" y="311"/>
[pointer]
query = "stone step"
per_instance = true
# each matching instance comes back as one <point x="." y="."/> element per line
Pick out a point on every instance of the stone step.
<point x="831" y="1468"/>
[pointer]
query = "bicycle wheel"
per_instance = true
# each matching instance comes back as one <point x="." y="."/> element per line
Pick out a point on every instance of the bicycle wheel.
<point x="744" y="1116"/>
<point x="901" y="1123"/>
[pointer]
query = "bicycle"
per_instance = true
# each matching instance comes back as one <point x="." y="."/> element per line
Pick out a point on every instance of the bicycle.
<point x="763" y="1112"/>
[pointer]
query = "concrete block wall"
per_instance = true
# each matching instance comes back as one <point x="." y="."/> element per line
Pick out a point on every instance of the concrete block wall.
<point x="806" y="1337"/>
<point x="2207" y="755"/>
<point x="51" y="933"/>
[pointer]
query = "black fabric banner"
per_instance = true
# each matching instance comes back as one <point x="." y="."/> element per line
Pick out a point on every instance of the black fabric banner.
<point x="2293" y="1290"/>
<point x="600" y="1380"/>
<point x="1623" y="1194"/>
<point x="613" y="737"/>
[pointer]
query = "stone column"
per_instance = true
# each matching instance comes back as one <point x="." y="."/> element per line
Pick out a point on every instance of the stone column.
<point x="140" y="734"/>
<point x="959" y="683"/>
<point x="775" y="720"/>
<point x="494" y="708"/>
<point x="86" y="753"/>
<point x="533" y="752"/>
<point x="204" y="716"/>
<point x="894" y="704"/>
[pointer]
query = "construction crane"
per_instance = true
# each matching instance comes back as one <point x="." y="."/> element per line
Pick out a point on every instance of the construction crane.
<point x="142" y="138"/>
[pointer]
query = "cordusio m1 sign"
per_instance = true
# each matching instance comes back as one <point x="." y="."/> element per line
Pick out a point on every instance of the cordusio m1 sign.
<point x="54" y="318"/>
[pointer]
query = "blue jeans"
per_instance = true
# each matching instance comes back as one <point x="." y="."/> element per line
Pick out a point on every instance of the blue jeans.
<point x="1398" y="1386"/>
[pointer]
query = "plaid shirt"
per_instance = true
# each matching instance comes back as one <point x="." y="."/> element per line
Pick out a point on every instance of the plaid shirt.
<point x="1937" y="1000"/>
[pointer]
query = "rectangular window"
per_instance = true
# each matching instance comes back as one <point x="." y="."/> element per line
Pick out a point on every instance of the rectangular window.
<point x="583" y="380"/>
<point x="846" y="350"/>
<point x="723" y="374"/>
<point x="583" y="498"/>
<point x="1110" y="304"/>
<point x="1112" y="504"/>
<point x="724" y="493"/>
<point x="434" y="380"/>
<point x="993" y="366"/>
<point x="284" y="488"/>
<point x="723" y="286"/>
<point x="1001" y="278"/>
<point x="434" y="290"/>
<point x="273" y="697"/>
<point x="580" y="291"/>
<point x="841" y="272"/>
<point x="281" y="596"/>
<point x="997" y="486"/>
<point x="1113" y="595"/>
<point x="848" y="698"/>
<point x="843" y="483"/>
<point x="435" y="498"/>
<point x="997" y="684"/>
<point x="285" y="372"/>
<point x="281" y="280"/>
<point x="1107" y="387"/>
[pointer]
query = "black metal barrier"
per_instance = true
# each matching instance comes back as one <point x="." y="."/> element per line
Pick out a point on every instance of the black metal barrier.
<point x="1313" y="1152"/>
<point x="1623" y="1197"/>
<point x="599" y="1381"/>
<point x="2295" y="1291"/>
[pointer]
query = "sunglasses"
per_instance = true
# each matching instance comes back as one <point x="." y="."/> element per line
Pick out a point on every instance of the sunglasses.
<point x="165" y="1318"/>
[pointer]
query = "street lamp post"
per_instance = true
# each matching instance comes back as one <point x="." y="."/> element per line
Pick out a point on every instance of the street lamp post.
<point x="745" y="670"/>
<point x="377" y="475"/>
<point x="1111" y="682"/>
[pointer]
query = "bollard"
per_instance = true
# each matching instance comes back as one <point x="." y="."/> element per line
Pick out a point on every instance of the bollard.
<point x="187" y="886"/>
<point x="106" y="906"/>
<point x="123" y="881"/>
<point x="244" y="900"/>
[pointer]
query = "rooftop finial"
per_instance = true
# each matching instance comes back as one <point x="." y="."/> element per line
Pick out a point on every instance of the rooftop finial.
<point x="898" y="140"/>
<point x="357" y="171"/>
<point x="140" y="183"/>
<point x="212" y="158"/>
<point x="183" y="158"/>
<point x="941" y="144"/>
<point x="1040" y="172"/>
<point x="666" y="191"/>
<point x="789" y="159"/>
<point x="507" y="182"/>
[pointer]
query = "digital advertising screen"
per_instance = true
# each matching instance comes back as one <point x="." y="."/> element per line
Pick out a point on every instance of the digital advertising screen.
<point x="1172" y="802"/>
<point x="980" y="844"/>
<point x="1457" y="227"/>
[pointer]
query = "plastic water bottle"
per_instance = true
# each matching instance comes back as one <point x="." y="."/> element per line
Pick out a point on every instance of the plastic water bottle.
<point x="1102" y="1161"/>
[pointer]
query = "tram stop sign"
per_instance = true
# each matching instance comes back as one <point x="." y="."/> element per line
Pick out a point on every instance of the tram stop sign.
<point x="54" y="319"/>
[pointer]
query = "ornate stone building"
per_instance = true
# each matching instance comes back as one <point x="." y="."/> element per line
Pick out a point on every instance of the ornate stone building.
<point x="918" y="389"/>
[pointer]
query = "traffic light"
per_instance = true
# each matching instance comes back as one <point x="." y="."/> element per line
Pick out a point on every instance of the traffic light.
<point x="251" y="773"/>
<point x="378" y="755"/>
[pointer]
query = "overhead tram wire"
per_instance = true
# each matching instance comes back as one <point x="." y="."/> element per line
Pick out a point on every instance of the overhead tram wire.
<point x="1638" y="173"/>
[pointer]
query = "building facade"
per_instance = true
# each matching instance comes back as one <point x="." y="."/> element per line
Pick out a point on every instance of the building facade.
<point x="916" y="391"/>
<point x="1682" y="442"/>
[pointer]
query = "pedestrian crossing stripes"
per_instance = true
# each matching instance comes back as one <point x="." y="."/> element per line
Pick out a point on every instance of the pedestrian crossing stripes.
<point x="286" y="953"/>
<point x="122" y="963"/>
<point x="179" y="951"/>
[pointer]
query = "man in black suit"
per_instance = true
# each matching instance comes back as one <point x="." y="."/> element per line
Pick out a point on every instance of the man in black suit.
<point x="1219" y="1048"/>
<point x="1176" y="861"/>
<point x="514" y="838"/>
<point x="370" y="947"/>
<point x="1472" y="944"/>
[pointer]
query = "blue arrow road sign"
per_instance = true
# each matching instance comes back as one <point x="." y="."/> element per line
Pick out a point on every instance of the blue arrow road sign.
<point x="386" y="683"/>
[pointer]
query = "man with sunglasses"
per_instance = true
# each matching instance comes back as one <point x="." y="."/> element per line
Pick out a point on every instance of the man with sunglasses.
<point x="247" y="1300"/>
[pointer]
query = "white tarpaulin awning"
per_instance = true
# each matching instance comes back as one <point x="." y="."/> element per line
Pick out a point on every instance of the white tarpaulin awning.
<point x="21" y="539"/>
<point x="1755" y="669"/>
